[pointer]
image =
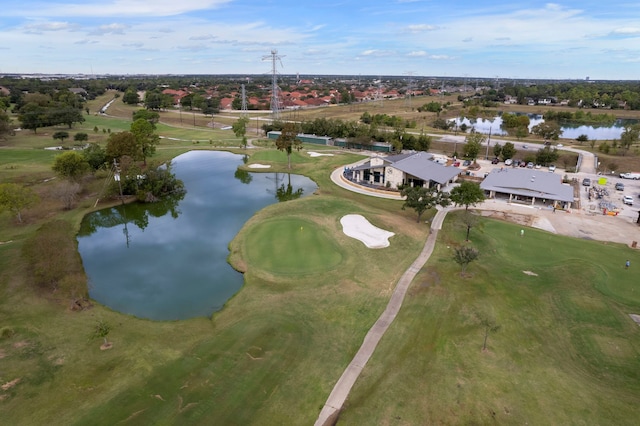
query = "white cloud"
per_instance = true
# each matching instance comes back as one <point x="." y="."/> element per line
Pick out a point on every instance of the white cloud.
<point x="110" y="29"/>
<point x="119" y="8"/>
<point x="417" y="53"/>
<point x="420" y="28"/>
<point x="39" y="27"/>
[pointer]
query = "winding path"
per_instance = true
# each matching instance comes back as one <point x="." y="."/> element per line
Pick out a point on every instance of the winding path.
<point x="332" y="407"/>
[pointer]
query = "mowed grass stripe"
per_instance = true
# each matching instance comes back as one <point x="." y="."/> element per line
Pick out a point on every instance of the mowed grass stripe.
<point x="292" y="246"/>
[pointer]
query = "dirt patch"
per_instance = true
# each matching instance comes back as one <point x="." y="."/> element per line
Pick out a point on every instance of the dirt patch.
<point x="635" y="318"/>
<point x="530" y="273"/>
<point x="520" y="219"/>
<point x="10" y="384"/>
<point x="21" y="344"/>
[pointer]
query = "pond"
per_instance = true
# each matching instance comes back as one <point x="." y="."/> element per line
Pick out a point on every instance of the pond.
<point x="168" y="260"/>
<point x="569" y="131"/>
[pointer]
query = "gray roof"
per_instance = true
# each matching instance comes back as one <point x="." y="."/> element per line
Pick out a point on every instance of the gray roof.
<point x="419" y="165"/>
<point x="423" y="167"/>
<point x="528" y="183"/>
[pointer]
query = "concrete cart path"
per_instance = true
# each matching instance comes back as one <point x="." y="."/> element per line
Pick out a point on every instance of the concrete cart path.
<point x="332" y="407"/>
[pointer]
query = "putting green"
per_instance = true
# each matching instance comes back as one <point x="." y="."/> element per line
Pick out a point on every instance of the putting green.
<point x="292" y="246"/>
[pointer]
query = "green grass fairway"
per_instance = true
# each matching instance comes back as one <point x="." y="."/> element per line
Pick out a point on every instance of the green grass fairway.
<point x="566" y="351"/>
<point x="292" y="246"/>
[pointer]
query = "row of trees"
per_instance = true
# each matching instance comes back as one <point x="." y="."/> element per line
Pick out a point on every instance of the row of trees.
<point x="36" y="110"/>
<point x="358" y="133"/>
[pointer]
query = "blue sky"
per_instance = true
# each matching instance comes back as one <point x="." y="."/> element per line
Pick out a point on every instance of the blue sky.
<point x="507" y="39"/>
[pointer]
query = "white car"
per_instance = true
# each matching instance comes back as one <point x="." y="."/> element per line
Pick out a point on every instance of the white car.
<point x="552" y="168"/>
<point x="628" y="200"/>
<point x="508" y="162"/>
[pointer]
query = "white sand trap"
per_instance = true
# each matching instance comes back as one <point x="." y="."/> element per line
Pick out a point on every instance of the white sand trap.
<point x="317" y="154"/>
<point x="533" y="274"/>
<point x="259" y="166"/>
<point x="356" y="226"/>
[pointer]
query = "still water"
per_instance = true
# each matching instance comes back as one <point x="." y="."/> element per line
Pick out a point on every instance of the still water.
<point x="168" y="260"/>
<point x="569" y="131"/>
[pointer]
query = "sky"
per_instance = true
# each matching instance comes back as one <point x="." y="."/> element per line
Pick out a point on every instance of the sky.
<point x="473" y="38"/>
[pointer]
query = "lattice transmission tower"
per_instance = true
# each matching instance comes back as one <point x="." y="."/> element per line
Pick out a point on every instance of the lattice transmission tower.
<point x="244" y="102"/>
<point x="275" y="98"/>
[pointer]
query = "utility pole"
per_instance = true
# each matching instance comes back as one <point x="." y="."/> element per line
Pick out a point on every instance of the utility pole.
<point x="486" y="157"/>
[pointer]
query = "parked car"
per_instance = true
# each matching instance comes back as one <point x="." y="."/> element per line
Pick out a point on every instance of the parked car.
<point x="523" y="164"/>
<point x="495" y="161"/>
<point x="628" y="200"/>
<point x="552" y="168"/>
<point x="529" y="165"/>
<point x="524" y="147"/>
<point x="586" y="182"/>
<point x="634" y="176"/>
<point x="620" y="186"/>
<point x="538" y="166"/>
<point x="466" y="163"/>
<point x="508" y="162"/>
<point x="456" y="164"/>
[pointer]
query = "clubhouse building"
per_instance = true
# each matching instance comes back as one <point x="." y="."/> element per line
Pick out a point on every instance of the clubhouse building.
<point x="414" y="169"/>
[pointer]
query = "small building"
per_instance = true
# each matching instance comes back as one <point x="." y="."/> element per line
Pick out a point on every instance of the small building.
<point x="528" y="186"/>
<point x="414" y="169"/>
<point x="304" y="138"/>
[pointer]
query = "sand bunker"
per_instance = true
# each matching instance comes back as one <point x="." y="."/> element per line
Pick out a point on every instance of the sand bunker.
<point x="356" y="226"/>
<point x="317" y="154"/>
<point x="259" y="166"/>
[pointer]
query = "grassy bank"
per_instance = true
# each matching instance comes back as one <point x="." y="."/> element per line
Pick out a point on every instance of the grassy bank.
<point x="566" y="352"/>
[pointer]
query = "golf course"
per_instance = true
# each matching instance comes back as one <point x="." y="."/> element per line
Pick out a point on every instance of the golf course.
<point x="536" y="331"/>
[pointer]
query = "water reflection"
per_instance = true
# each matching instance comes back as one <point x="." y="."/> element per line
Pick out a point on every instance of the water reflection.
<point x="493" y="125"/>
<point x="167" y="260"/>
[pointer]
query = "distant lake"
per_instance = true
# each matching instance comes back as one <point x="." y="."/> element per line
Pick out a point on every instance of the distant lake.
<point x="569" y="131"/>
<point x="168" y="260"/>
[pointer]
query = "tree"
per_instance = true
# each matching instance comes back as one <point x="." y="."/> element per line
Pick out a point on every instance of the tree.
<point x="582" y="138"/>
<point x="5" y="124"/>
<point x="151" y="116"/>
<point x="547" y="130"/>
<point x="32" y="116"/>
<point x="467" y="194"/>
<point x="100" y="331"/>
<point x="629" y="136"/>
<point x="146" y="139"/>
<point x="469" y="220"/>
<point x="67" y="192"/>
<point x="63" y="114"/>
<point x="95" y="155"/>
<point x="423" y="143"/>
<point x="61" y="135"/>
<point x="421" y="198"/>
<point x="473" y="145"/>
<point x="131" y="96"/>
<point x="16" y="198"/>
<point x="546" y="155"/>
<point x="121" y="144"/>
<point x="71" y="165"/>
<point x="288" y="140"/>
<point x="508" y="151"/>
<point x="240" y="129"/>
<point x="464" y="256"/>
<point x="497" y="150"/>
<point x="489" y="325"/>
<point x="81" y="137"/>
